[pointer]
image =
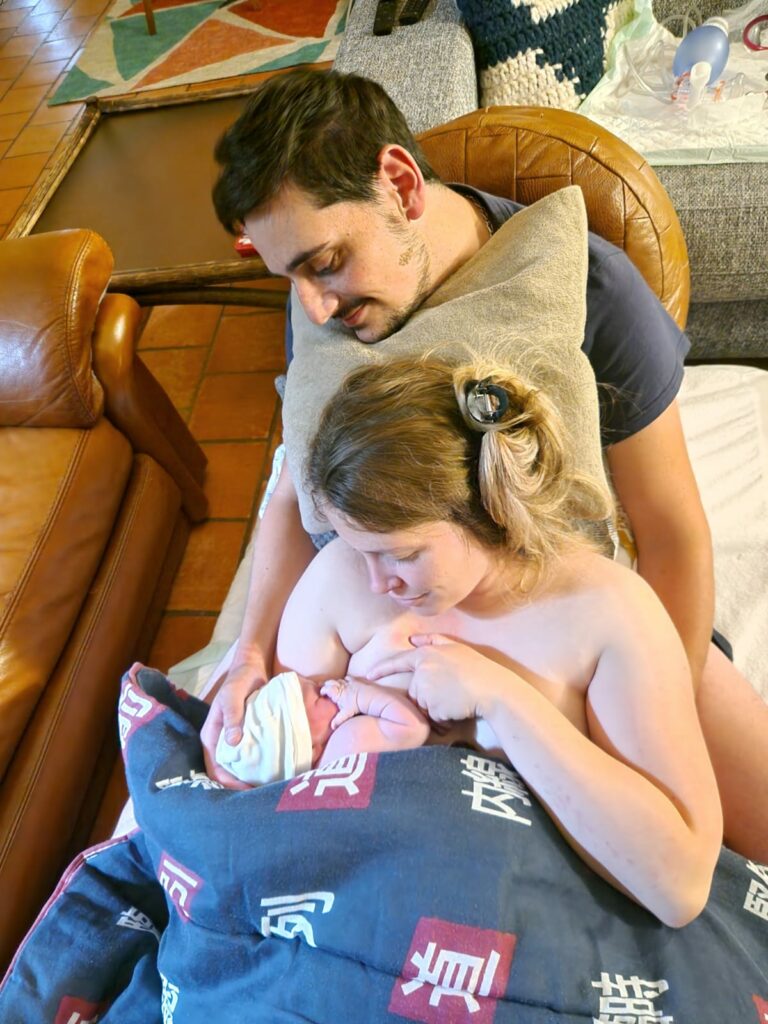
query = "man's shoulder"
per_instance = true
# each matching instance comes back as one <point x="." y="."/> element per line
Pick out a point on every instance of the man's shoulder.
<point x="609" y="264"/>
<point x="606" y="260"/>
<point x="605" y="257"/>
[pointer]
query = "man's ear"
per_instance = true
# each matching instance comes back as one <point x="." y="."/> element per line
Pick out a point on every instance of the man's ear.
<point x="401" y="178"/>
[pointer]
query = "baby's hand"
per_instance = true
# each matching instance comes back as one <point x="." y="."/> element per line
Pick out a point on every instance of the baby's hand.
<point x="343" y="693"/>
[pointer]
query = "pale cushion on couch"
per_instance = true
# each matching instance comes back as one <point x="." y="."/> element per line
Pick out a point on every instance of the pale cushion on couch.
<point x="427" y="68"/>
<point x="520" y="301"/>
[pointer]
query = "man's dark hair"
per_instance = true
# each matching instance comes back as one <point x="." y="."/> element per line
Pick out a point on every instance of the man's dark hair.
<point x="319" y="130"/>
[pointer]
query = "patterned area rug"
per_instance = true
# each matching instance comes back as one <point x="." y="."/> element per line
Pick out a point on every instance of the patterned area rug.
<point x="199" y="41"/>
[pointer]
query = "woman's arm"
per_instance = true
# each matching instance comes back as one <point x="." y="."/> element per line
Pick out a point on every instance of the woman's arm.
<point x="636" y="798"/>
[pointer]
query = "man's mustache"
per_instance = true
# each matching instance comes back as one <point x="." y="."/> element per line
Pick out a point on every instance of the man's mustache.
<point x="347" y="309"/>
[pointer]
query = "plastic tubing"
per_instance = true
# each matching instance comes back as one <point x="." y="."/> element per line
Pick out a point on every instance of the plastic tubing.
<point x="749" y="42"/>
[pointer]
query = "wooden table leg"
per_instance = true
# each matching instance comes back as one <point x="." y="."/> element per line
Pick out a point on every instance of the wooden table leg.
<point x="150" y="16"/>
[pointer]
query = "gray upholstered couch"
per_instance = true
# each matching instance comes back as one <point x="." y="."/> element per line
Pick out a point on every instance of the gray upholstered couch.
<point x="429" y="71"/>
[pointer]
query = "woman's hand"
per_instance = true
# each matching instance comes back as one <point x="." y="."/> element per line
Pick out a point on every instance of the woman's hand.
<point x="450" y="680"/>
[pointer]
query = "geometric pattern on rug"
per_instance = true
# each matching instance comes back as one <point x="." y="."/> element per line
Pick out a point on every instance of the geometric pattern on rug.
<point x="200" y="40"/>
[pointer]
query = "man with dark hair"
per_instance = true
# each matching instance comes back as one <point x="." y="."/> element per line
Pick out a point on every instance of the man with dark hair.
<point x="322" y="172"/>
<point x="319" y="139"/>
<point x="321" y="132"/>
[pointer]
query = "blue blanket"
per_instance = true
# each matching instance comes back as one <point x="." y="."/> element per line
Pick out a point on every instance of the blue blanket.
<point x="427" y="886"/>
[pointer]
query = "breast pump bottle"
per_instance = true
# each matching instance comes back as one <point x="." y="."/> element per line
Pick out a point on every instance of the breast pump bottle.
<point x="706" y="44"/>
<point x="702" y="54"/>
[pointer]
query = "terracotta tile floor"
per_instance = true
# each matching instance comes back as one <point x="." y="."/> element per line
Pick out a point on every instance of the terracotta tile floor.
<point x="219" y="369"/>
<point x="218" y="365"/>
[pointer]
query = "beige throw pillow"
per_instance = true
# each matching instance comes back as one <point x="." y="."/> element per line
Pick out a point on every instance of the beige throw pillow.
<point x="520" y="299"/>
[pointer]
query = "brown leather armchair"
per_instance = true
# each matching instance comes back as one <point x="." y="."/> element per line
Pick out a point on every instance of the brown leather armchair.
<point x="525" y="153"/>
<point x="99" y="480"/>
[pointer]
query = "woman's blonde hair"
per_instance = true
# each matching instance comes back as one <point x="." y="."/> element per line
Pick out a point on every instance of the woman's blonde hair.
<point x="413" y="441"/>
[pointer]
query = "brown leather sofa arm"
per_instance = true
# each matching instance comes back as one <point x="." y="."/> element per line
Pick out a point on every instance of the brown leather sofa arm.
<point x="525" y="153"/>
<point x="139" y="407"/>
<point x="50" y="289"/>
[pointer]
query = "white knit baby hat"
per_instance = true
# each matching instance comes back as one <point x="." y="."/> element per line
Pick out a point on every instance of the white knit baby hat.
<point x="276" y="741"/>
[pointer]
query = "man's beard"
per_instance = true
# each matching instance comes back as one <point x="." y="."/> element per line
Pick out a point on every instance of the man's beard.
<point x="397" y="318"/>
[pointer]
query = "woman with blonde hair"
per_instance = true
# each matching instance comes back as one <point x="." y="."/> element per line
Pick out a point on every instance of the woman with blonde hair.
<point x="466" y="573"/>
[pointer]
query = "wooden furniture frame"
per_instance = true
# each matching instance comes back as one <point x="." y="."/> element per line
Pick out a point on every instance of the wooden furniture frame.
<point x="219" y="280"/>
<point x="149" y="14"/>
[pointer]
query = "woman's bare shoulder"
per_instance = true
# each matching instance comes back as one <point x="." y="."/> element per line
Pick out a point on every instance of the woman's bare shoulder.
<point x="338" y="561"/>
<point x="581" y="571"/>
<point x="335" y="578"/>
<point x="627" y="612"/>
<point x="613" y="589"/>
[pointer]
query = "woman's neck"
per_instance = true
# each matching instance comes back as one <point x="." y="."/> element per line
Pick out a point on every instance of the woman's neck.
<point x="509" y="582"/>
<point x="513" y="581"/>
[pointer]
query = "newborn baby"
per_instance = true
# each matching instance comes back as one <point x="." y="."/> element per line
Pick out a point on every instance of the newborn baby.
<point x="293" y="724"/>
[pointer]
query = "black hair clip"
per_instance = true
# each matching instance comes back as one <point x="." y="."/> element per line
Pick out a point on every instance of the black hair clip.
<point x="486" y="402"/>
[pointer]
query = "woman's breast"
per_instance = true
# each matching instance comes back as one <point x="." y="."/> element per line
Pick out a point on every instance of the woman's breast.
<point x="551" y="657"/>
<point x="388" y="640"/>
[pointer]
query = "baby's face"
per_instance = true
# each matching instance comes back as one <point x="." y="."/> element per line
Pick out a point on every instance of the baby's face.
<point x="320" y="712"/>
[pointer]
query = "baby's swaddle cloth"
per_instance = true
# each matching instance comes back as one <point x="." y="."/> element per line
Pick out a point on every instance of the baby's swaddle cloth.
<point x="276" y="741"/>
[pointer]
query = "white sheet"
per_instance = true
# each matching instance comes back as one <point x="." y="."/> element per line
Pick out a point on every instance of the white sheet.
<point x="725" y="419"/>
<point x="633" y="100"/>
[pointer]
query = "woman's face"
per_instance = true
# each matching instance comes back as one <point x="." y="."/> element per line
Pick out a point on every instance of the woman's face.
<point x="427" y="569"/>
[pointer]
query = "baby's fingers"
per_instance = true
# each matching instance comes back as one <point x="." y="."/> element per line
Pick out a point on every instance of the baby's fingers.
<point x="333" y="689"/>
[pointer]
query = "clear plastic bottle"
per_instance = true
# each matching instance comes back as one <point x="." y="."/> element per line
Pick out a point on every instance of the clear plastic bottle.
<point x="707" y="44"/>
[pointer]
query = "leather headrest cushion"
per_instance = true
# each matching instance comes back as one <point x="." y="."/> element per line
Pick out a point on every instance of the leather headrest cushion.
<point x="51" y="286"/>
